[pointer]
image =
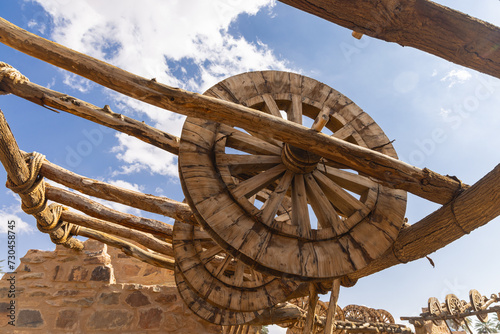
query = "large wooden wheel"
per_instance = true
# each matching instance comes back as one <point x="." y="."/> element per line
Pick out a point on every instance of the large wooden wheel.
<point x="455" y="307"/>
<point x="207" y="311"/>
<point x="435" y="309"/>
<point x="385" y="316"/>
<point x="320" y="219"/>
<point x="477" y="302"/>
<point x="221" y="279"/>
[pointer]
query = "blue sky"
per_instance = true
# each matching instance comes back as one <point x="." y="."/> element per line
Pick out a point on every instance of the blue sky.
<point x="441" y="115"/>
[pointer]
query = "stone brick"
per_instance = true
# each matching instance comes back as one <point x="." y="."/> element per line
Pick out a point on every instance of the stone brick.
<point x="137" y="298"/>
<point x="131" y="269"/>
<point x="68" y="259"/>
<point x="32" y="276"/>
<point x="101" y="273"/>
<point x="3" y="308"/>
<point x="82" y="302"/>
<point x="66" y="293"/>
<point x="78" y="274"/>
<point x="67" y="319"/>
<point x="164" y="298"/>
<point x="111" y="298"/>
<point x="33" y="260"/>
<point x="109" y="319"/>
<point x="38" y="294"/>
<point x="151" y="318"/>
<point x="29" y="318"/>
<point x="151" y="270"/>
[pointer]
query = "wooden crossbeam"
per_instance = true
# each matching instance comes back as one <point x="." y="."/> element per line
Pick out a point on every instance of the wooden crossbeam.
<point x="387" y="170"/>
<point x="421" y="24"/>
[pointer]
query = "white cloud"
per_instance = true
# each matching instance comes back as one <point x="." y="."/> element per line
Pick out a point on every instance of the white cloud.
<point x="456" y="76"/>
<point x="184" y="44"/>
<point x="140" y="156"/>
<point x="12" y="213"/>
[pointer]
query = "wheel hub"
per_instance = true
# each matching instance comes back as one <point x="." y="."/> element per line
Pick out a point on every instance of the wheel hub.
<point x="298" y="160"/>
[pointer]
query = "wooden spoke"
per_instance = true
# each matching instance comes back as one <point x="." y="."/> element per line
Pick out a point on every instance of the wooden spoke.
<point x="358" y="219"/>
<point x="341" y="199"/>
<point x="209" y="254"/>
<point x="251" y="186"/>
<point x="272" y="204"/>
<point x="322" y="118"/>
<point x="243" y="163"/>
<point x="353" y="182"/>
<point x="326" y="214"/>
<point x="239" y="271"/>
<point x="270" y="106"/>
<point x="222" y="266"/>
<point x="294" y="113"/>
<point x="300" y="213"/>
<point x="245" y="142"/>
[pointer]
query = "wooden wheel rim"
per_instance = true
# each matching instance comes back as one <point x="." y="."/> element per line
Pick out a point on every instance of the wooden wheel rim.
<point x="385" y="316"/>
<point x="477" y="303"/>
<point x="435" y="309"/>
<point x="207" y="311"/>
<point x="224" y="282"/>
<point x="455" y="307"/>
<point x="259" y="238"/>
<point x="356" y="313"/>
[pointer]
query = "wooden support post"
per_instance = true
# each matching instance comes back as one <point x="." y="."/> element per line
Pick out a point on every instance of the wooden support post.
<point x="311" y="309"/>
<point x="422" y="24"/>
<point x="160" y="205"/>
<point x="100" y="211"/>
<point x="19" y="174"/>
<point x="332" y="307"/>
<point x="471" y="209"/>
<point x="104" y="116"/>
<point x="128" y="248"/>
<point x="387" y="170"/>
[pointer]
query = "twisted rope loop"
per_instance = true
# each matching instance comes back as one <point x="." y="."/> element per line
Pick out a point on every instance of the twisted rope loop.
<point x="33" y="184"/>
<point x="10" y="72"/>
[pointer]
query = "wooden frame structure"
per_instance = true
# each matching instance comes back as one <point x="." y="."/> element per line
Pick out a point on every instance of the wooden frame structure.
<point x="464" y="208"/>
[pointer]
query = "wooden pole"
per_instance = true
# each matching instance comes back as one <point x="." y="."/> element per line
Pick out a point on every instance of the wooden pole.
<point x="144" y="239"/>
<point x="128" y="248"/>
<point x="389" y="171"/>
<point x="311" y="309"/>
<point x="97" y="210"/>
<point x="332" y="307"/>
<point x="422" y="24"/>
<point x="19" y="173"/>
<point x="104" y="116"/>
<point x="471" y="209"/>
<point x="160" y="205"/>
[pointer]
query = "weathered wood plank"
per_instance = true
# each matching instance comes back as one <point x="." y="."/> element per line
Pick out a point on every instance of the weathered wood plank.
<point x="421" y="24"/>
<point x="390" y="171"/>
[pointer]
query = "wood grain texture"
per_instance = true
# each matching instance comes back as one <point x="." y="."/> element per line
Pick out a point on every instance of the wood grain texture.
<point x="389" y="170"/>
<point x="18" y="172"/>
<point x="421" y="24"/>
<point x="350" y="232"/>
<point x="222" y="280"/>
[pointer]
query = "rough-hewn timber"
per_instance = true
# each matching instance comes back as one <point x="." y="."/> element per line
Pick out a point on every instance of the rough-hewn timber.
<point x="421" y="24"/>
<point x="390" y="171"/>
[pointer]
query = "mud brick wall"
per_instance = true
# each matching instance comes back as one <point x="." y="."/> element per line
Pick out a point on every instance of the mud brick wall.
<point x="97" y="290"/>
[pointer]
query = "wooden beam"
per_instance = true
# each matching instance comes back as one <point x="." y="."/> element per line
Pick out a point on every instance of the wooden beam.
<point x="420" y="24"/>
<point x="144" y="239"/>
<point x="156" y="204"/>
<point x="19" y="173"/>
<point x="97" y="210"/>
<point x="471" y="209"/>
<point x="128" y="248"/>
<point x="104" y="116"/>
<point x="392" y="172"/>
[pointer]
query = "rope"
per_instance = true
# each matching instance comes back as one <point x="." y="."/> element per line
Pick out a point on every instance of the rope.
<point x="10" y="72"/>
<point x="35" y="183"/>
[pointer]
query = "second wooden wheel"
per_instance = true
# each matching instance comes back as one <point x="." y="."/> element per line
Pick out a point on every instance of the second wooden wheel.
<point x="221" y="279"/>
<point x="320" y="219"/>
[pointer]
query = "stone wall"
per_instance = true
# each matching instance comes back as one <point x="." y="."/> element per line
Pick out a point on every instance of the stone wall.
<point x="94" y="291"/>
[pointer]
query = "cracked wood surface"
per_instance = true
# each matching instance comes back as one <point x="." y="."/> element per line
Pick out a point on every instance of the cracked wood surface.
<point x="387" y="170"/>
<point x="421" y="24"/>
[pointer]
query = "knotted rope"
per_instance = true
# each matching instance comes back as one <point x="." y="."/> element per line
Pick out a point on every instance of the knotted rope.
<point x="36" y="184"/>
<point x="10" y="72"/>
